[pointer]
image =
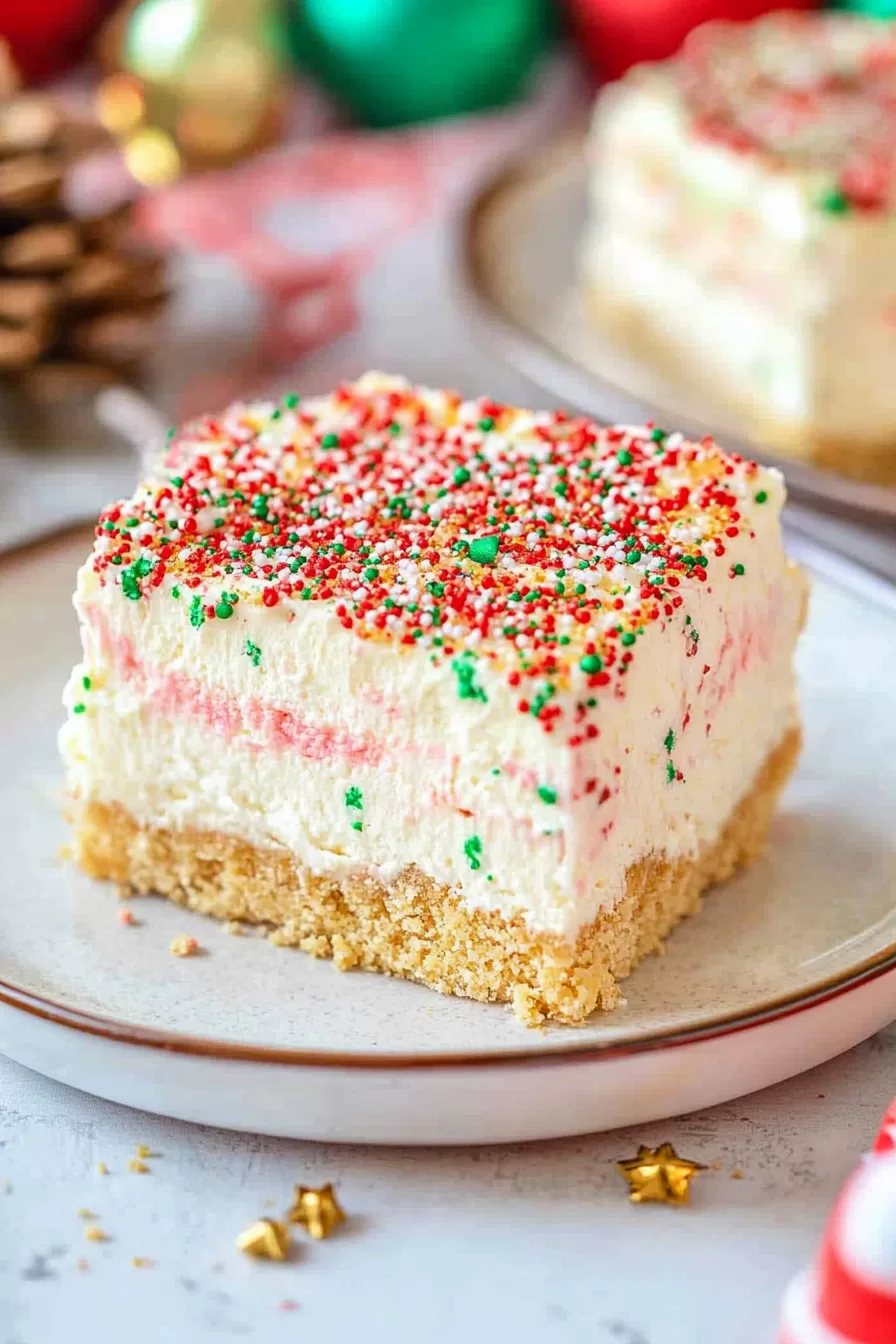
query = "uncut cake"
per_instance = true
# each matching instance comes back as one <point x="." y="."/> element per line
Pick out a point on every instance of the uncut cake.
<point x="742" y="228"/>
<point x="475" y="695"/>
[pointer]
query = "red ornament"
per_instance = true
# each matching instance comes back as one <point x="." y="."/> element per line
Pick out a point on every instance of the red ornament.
<point x="616" y="34"/>
<point x="47" y="36"/>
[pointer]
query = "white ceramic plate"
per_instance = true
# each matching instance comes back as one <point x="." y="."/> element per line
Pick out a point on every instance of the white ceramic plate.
<point x="790" y="964"/>
<point x="520" y="242"/>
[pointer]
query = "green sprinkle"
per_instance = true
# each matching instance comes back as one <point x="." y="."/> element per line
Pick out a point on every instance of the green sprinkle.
<point x="437" y="589"/>
<point x="253" y="652"/>
<point x="224" y="610"/>
<point x="657" y="435"/>
<point x="670" y="772"/>
<point x="395" y="427"/>
<point x="738" y="569"/>
<point x="197" y="615"/>
<point x="591" y="663"/>
<point x="467" y="688"/>
<point x="177" y="481"/>
<point x="130" y="578"/>
<point x="330" y="441"/>
<point x="632" y="557"/>
<point x="761" y="496"/>
<point x="461" y="476"/>
<point x="486" y="423"/>
<point x="78" y="708"/>
<point x="669" y="741"/>
<point x="85" y="682"/>
<point x="547" y="795"/>
<point x="260" y="506"/>
<point x="291" y="400"/>
<point x="354" y="798"/>
<point x="835" y="202"/>
<point x="357" y="825"/>
<point x="371" y="573"/>
<point x="624" y="457"/>
<point x="473" y="851"/>
<point x="484" y="550"/>
<point x="628" y="638"/>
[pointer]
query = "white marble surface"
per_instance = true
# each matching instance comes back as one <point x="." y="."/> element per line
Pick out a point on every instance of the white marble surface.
<point x="527" y="1243"/>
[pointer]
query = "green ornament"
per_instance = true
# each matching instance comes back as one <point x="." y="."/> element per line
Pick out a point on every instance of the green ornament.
<point x="399" y="61"/>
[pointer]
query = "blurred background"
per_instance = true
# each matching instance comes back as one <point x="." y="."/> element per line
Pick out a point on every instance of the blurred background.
<point x="206" y="199"/>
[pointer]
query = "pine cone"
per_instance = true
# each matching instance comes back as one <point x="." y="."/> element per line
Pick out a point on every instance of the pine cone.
<point x="78" y="296"/>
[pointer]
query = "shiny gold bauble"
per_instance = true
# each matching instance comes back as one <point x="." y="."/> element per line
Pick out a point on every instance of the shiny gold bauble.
<point x="198" y="83"/>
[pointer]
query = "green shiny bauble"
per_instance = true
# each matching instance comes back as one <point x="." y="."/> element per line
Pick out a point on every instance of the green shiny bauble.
<point x="398" y="61"/>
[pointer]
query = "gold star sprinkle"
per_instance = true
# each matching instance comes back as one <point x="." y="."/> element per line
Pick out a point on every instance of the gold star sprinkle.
<point x="266" y="1239"/>
<point x="319" y="1210"/>
<point x="183" y="946"/>
<point x="136" y="1165"/>
<point x="661" y="1177"/>
<point x="93" y="1233"/>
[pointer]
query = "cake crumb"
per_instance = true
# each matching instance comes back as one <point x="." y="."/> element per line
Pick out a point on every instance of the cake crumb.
<point x="82" y="1264"/>
<point x="236" y="927"/>
<point x="126" y="917"/>
<point x="183" y="946"/>
<point x="737" y="1174"/>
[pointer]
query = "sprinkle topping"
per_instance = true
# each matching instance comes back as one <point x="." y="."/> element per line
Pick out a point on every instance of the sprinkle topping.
<point x="536" y="544"/>
<point x="816" y="90"/>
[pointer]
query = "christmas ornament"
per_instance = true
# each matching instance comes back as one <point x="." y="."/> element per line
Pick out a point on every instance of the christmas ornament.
<point x="198" y="83"/>
<point x="660" y="1177"/>
<point x="265" y="1239"/>
<point x="318" y="1210"/>
<point x="616" y="34"/>
<point x="849" y="1294"/>
<point x="398" y="61"/>
<point x="78" y="299"/>
<point x="48" y="37"/>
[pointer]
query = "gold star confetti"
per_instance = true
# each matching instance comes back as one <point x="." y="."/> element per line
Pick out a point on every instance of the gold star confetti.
<point x="661" y="1176"/>
<point x="183" y="946"/>
<point x="134" y="1164"/>
<point x="319" y="1210"/>
<point x="93" y="1233"/>
<point x="266" y="1239"/>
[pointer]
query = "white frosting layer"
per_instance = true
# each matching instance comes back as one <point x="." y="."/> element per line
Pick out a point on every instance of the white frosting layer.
<point x="184" y="729"/>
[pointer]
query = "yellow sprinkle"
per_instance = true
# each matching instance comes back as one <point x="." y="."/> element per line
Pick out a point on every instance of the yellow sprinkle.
<point x="102" y="1168"/>
<point x="183" y="946"/>
<point x="85" y="1213"/>
<point x="140" y="1262"/>
<point x="144" y="1150"/>
<point x="94" y="1234"/>
<point x="136" y="1165"/>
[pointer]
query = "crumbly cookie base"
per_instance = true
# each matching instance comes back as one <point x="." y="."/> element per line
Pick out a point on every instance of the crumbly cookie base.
<point x="871" y="460"/>
<point x="415" y="927"/>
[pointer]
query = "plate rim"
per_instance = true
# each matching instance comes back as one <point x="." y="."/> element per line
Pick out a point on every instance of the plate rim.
<point x="848" y="573"/>
<point x="532" y="354"/>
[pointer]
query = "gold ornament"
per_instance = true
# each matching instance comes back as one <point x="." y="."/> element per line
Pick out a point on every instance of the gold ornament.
<point x="660" y="1177"/>
<point x="195" y="83"/>
<point x="266" y="1239"/>
<point x="319" y="1210"/>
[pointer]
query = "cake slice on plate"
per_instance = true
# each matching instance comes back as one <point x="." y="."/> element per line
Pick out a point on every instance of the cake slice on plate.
<point x="474" y="695"/>
<point x="743" y="227"/>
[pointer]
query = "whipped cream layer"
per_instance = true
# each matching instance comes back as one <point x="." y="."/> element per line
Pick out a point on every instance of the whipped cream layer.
<point x="284" y="723"/>
<point x="750" y="220"/>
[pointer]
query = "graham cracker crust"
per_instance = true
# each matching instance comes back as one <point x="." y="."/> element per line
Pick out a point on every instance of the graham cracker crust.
<point x="414" y="927"/>
<point x="869" y="460"/>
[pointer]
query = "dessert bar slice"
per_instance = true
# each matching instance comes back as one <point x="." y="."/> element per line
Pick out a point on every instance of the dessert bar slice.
<point x="475" y="695"/>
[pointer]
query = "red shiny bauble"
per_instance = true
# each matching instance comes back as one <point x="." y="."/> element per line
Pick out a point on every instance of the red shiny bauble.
<point x="47" y="36"/>
<point x="616" y="34"/>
